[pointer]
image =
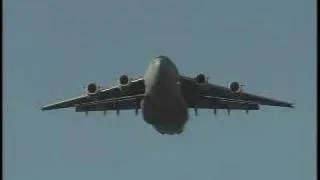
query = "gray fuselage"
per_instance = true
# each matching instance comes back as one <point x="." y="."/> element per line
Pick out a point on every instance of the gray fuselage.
<point x="163" y="105"/>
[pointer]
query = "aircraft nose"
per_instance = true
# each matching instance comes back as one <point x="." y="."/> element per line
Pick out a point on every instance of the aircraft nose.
<point x="158" y="63"/>
<point x="161" y="61"/>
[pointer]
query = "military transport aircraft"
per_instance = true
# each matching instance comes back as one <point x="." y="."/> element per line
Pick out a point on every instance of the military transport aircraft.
<point x="164" y="97"/>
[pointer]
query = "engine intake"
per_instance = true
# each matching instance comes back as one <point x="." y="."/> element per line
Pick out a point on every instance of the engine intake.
<point x="235" y="87"/>
<point x="124" y="80"/>
<point x="92" y="88"/>
<point x="201" y="79"/>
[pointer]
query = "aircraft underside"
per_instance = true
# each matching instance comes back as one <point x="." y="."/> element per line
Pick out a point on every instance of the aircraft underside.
<point x="173" y="129"/>
<point x="166" y="115"/>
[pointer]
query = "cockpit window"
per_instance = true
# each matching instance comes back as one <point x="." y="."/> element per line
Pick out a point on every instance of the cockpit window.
<point x="162" y="57"/>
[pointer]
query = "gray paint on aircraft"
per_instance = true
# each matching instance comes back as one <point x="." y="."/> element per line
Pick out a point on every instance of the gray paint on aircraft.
<point x="163" y="105"/>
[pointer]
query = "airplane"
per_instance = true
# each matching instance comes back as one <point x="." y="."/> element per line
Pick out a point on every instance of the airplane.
<point x="164" y="97"/>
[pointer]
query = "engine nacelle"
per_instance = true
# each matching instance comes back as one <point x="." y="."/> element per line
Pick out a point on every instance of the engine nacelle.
<point x="201" y="79"/>
<point x="93" y="88"/>
<point x="235" y="87"/>
<point x="124" y="80"/>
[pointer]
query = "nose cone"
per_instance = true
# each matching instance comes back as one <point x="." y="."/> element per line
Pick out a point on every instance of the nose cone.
<point x="158" y="63"/>
<point x="161" y="72"/>
<point x="165" y="65"/>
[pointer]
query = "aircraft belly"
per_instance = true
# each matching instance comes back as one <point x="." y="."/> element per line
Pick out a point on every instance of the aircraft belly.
<point x="167" y="114"/>
<point x="163" y="105"/>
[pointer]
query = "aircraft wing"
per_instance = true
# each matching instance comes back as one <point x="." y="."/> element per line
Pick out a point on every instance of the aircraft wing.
<point x="135" y="87"/>
<point x="208" y="102"/>
<point x="190" y="86"/>
<point x="122" y="103"/>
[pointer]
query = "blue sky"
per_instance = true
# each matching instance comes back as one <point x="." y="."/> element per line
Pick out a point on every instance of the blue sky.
<point x="53" y="48"/>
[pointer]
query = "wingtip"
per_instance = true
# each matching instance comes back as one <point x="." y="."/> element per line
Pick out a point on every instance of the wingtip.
<point x="293" y="105"/>
<point x="43" y="108"/>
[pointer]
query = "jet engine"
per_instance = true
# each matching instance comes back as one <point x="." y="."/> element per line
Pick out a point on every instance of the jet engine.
<point x="124" y="80"/>
<point x="201" y="79"/>
<point x="93" y="88"/>
<point x="235" y="87"/>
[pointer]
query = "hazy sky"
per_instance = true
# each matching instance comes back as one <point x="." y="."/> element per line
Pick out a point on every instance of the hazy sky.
<point x="53" y="48"/>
